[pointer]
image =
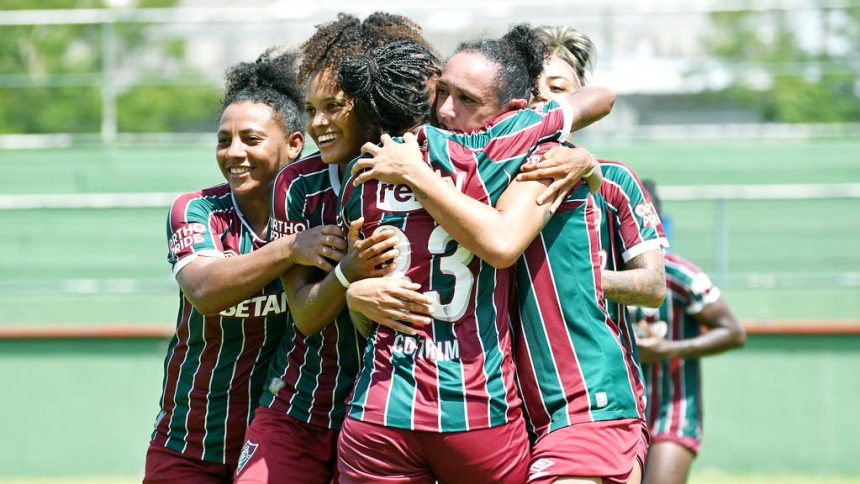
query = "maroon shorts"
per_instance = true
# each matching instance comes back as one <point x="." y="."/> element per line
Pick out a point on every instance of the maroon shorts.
<point x="686" y="442"/>
<point x="373" y="453"/>
<point x="279" y="448"/>
<point x="606" y="450"/>
<point x="165" y="466"/>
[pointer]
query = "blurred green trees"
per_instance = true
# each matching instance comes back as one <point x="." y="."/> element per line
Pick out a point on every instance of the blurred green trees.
<point x="50" y="76"/>
<point x="784" y="78"/>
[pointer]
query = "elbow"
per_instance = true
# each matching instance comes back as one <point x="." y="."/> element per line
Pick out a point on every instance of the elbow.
<point x="658" y="295"/>
<point x="305" y="327"/>
<point x="204" y="302"/>
<point x="609" y="100"/>
<point x="739" y="337"/>
<point x="503" y="256"/>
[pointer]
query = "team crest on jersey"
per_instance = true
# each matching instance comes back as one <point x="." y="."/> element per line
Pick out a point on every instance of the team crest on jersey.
<point x="648" y="214"/>
<point x="538" y="469"/>
<point x="247" y="452"/>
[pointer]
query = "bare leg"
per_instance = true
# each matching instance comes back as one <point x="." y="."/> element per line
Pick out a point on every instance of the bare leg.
<point x="635" y="478"/>
<point x="668" y="463"/>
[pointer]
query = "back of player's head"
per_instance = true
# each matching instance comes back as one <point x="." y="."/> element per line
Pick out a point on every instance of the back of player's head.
<point x="270" y="80"/>
<point x="389" y="84"/>
<point x="650" y="187"/>
<point x="572" y="46"/>
<point x="348" y="36"/>
<point x="520" y="55"/>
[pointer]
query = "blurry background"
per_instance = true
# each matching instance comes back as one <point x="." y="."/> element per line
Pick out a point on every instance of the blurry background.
<point x="746" y="113"/>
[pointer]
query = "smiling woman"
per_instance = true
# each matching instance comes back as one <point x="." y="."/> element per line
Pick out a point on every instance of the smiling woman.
<point x="232" y="312"/>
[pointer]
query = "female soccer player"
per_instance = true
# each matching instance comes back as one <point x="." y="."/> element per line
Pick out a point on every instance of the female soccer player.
<point x="293" y="437"/>
<point x="430" y="397"/>
<point x="670" y="344"/>
<point x="232" y="309"/>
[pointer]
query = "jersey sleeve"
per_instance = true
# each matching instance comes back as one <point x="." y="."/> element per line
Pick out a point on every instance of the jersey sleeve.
<point x="637" y="219"/>
<point x="190" y="233"/>
<point x="288" y="199"/>
<point x="699" y="289"/>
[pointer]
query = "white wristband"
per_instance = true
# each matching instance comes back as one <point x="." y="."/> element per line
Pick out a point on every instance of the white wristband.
<point x="338" y="272"/>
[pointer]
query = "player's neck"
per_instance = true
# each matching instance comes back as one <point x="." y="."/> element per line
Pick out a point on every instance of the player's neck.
<point x="255" y="209"/>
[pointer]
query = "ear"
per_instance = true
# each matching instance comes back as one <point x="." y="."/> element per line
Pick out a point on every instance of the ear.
<point x="295" y="143"/>
<point x="517" y="104"/>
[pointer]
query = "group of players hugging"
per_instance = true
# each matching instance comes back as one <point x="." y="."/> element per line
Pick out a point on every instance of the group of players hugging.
<point x="448" y="290"/>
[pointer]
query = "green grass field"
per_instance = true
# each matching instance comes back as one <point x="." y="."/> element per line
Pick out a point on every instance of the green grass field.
<point x="90" y="260"/>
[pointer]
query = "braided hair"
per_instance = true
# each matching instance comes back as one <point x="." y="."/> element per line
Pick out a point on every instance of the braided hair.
<point x="347" y="37"/>
<point x="389" y="84"/>
<point x="572" y="46"/>
<point x="272" y="81"/>
<point x="520" y="55"/>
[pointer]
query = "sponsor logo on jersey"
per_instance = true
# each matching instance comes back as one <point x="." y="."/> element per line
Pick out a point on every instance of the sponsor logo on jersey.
<point x="247" y="452"/>
<point x="400" y="198"/>
<point x="259" y="306"/>
<point x="648" y="214"/>
<point x="281" y="228"/>
<point x="538" y="469"/>
<point x="426" y="348"/>
<point x="186" y="236"/>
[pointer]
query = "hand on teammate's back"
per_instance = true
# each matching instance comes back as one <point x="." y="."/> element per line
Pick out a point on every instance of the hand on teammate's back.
<point x="392" y="162"/>
<point x="319" y="247"/>
<point x="651" y="342"/>
<point x="565" y="166"/>
<point x="390" y="301"/>
<point x="370" y="257"/>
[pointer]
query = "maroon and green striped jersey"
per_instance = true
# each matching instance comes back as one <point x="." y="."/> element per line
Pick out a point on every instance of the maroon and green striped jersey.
<point x="571" y="363"/>
<point x="674" y="387"/>
<point x="216" y="364"/>
<point x="456" y="374"/>
<point x="311" y="376"/>
<point x="629" y="224"/>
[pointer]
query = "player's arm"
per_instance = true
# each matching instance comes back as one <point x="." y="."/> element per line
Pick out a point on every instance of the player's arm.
<point x="483" y="229"/>
<point x="213" y="284"/>
<point x="316" y="298"/>
<point x="590" y="104"/>
<point x="565" y="165"/>
<point x="724" y="333"/>
<point x="641" y="283"/>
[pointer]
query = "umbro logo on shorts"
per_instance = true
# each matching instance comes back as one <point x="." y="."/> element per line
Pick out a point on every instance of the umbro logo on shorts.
<point x="538" y="469"/>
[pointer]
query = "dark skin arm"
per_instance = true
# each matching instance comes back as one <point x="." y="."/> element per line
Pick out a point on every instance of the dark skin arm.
<point x="641" y="283"/>
<point x="725" y="333"/>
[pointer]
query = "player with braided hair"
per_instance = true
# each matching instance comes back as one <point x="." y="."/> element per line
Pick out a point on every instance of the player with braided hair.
<point x="232" y="310"/>
<point x="431" y="395"/>
<point x="294" y="434"/>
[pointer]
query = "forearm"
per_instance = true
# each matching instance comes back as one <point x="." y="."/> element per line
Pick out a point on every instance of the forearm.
<point x="214" y="285"/>
<point x="716" y="340"/>
<point x="642" y="283"/>
<point x="590" y="104"/>
<point x="314" y="306"/>
<point x="481" y="228"/>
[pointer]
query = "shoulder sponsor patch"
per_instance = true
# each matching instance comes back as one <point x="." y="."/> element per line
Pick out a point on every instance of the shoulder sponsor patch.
<point x="648" y="214"/>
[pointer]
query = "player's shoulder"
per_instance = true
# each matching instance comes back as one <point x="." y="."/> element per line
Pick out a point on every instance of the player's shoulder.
<point x="680" y="268"/>
<point x="211" y="196"/>
<point x="616" y="170"/>
<point x="305" y="166"/>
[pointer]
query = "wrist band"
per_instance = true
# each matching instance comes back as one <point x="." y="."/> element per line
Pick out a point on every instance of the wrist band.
<point x="338" y="272"/>
<point x="590" y="172"/>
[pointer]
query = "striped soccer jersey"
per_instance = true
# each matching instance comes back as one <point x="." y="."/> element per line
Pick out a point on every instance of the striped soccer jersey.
<point x="674" y="386"/>
<point x="571" y="363"/>
<point x="628" y="223"/>
<point x="216" y="363"/>
<point x="456" y="374"/>
<point x="311" y="376"/>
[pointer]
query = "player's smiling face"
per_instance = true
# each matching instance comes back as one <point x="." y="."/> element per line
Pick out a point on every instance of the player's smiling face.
<point x="557" y="80"/>
<point x="331" y="120"/>
<point x="466" y="99"/>
<point x="252" y="147"/>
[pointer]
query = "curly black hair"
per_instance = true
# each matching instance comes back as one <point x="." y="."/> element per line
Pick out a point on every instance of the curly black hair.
<point x="389" y="84"/>
<point x="271" y="80"/>
<point x="520" y="54"/>
<point x="347" y="37"/>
